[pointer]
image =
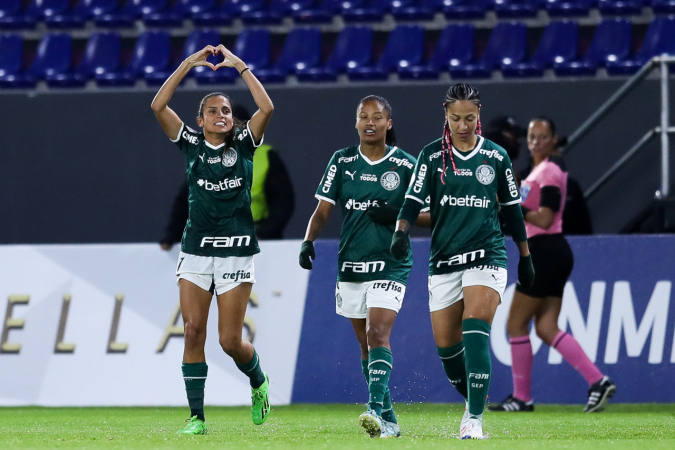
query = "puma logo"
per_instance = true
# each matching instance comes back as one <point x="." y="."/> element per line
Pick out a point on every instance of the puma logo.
<point x="493" y="276"/>
<point x="350" y="174"/>
<point x="202" y="156"/>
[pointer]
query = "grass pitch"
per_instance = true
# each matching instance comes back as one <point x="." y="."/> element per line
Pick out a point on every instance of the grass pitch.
<point x="335" y="427"/>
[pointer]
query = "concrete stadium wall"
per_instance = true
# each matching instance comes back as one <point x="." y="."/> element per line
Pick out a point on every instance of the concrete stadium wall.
<point x="96" y="167"/>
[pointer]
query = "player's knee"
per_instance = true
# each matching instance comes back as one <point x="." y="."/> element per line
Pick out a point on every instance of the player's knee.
<point x="546" y="332"/>
<point x="516" y="329"/>
<point x="194" y="335"/>
<point x="377" y="337"/>
<point x="230" y="344"/>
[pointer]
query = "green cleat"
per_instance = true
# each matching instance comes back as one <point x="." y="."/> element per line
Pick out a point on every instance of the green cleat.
<point x="194" y="426"/>
<point x="260" y="402"/>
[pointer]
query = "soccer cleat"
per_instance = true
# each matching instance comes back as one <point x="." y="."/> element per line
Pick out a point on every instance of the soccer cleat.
<point x="390" y="430"/>
<point x="513" y="404"/>
<point x="194" y="426"/>
<point x="599" y="394"/>
<point x="472" y="429"/>
<point x="260" y="402"/>
<point x="465" y="417"/>
<point x="371" y="423"/>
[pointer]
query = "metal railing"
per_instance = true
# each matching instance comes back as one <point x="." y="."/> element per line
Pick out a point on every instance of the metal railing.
<point x="664" y="130"/>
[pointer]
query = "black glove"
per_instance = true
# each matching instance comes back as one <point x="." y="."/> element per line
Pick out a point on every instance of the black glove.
<point x="384" y="215"/>
<point x="399" y="245"/>
<point x="525" y="271"/>
<point x="307" y="255"/>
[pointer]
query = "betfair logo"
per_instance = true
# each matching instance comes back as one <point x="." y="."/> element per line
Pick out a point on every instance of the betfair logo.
<point x="227" y="242"/>
<point x="363" y="267"/>
<point x="471" y="202"/>
<point x="223" y="185"/>
<point x="360" y="206"/>
<point x="463" y="258"/>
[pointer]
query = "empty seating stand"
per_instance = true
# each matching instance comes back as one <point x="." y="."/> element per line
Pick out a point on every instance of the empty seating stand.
<point x="405" y="48"/>
<point x="659" y="40"/>
<point x="302" y="50"/>
<point x="151" y="54"/>
<point x="352" y="50"/>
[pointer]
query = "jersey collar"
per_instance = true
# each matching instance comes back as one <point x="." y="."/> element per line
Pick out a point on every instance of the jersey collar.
<point x="463" y="156"/>
<point x="211" y="146"/>
<point x="373" y="163"/>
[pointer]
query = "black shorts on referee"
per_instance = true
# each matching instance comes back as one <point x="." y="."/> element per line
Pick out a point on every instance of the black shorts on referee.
<point x="553" y="261"/>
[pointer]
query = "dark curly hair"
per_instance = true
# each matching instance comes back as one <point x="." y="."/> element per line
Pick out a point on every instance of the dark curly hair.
<point x="457" y="92"/>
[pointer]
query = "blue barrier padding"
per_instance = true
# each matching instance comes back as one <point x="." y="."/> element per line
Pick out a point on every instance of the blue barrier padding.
<point x="635" y="272"/>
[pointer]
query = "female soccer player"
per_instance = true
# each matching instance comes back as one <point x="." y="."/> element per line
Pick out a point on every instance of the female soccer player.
<point x="543" y="193"/>
<point x="369" y="180"/>
<point x="219" y="240"/>
<point x="466" y="178"/>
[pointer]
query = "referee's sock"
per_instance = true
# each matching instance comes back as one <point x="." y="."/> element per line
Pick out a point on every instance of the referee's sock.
<point x="194" y="375"/>
<point x="253" y="371"/>
<point x="380" y="363"/>
<point x="454" y="366"/>
<point x="476" y="334"/>
<point x="388" y="413"/>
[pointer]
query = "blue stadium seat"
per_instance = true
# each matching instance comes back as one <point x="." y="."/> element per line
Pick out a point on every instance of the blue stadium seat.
<point x="558" y="44"/>
<point x="461" y="9"/>
<point x="151" y="54"/>
<point x="53" y="57"/>
<point x="58" y="14"/>
<point x="405" y="48"/>
<point x="289" y="7"/>
<point x="324" y="12"/>
<point x="568" y="8"/>
<point x="516" y="8"/>
<point x="302" y="50"/>
<point x="621" y="7"/>
<point x="412" y="11"/>
<point x="663" y="6"/>
<point x="199" y="39"/>
<point x="101" y="56"/>
<point x="239" y="7"/>
<point x="660" y="39"/>
<point x="611" y="42"/>
<point x="13" y="16"/>
<point x="372" y="12"/>
<point x="353" y="49"/>
<point x="455" y="47"/>
<point x="207" y="12"/>
<point x="253" y="46"/>
<point x="123" y="17"/>
<point x="506" y="46"/>
<point x="11" y="59"/>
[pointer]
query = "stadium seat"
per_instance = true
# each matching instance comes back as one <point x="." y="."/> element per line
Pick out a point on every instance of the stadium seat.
<point x="558" y="44"/>
<point x="516" y="8"/>
<point x="506" y="46"/>
<point x="151" y="54"/>
<point x="460" y="9"/>
<point x="372" y="12"/>
<point x="611" y="42"/>
<point x="324" y="11"/>
<point x="53" y="57"/>
<point x="621" y="7"/>
<point x="663" y="6"/>
<point x="302" y="50"/>
<point x="101" y="56"/>
<point x="14" y="17"/>
<point x="207" y="12"/>
<point x="660" y="39"/>
<point x="405" y="48"/>
<point x="239" y="7"/>
<point x="57" y="13"/>
<point x="568" y="8"/>
<point x="253" y="46"/>
<point x="353" y="49"/>
<point x="412" y="11"/>
<point x="11" y="59"/>
<point x="455" y="47"/>
<point x="199" y="39"/>
<point x="131" y="10"/>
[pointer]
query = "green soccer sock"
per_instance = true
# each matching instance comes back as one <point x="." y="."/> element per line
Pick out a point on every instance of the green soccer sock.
<point x="380" y="363"/>
<point x="388" y="413"/>
<point x="476" y="334"/>
<point x="194" y="375"/>
<point x="454" y="366"/>
<point x="253" y="371"/>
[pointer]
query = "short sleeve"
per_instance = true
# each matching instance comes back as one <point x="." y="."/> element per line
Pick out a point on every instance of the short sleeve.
<point x="507" y="189"/>
<point x="418" y="189"/>
<point x="552" y="175"/>
<point x="187" y="139"/>
<point x="245" y="141"/>
<point x="329" y="189"/>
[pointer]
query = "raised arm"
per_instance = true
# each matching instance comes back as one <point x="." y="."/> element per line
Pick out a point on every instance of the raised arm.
<point x="316" y="224"/>
<point x="167" y="118"/>
<point x="261" y="117"/>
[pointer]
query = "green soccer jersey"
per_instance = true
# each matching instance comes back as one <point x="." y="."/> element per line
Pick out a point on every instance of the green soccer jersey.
<point x="220" y="222"/>
<point x="358" y="183"/>
<point x="465" y="226"/>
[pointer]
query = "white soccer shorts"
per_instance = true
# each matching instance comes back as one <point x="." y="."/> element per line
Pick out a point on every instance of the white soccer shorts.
<point x="223" y="273"/>
<point x="446" y="289"/>
<point x="352" y="299"/>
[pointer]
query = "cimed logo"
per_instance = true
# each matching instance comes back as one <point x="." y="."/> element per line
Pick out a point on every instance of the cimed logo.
<point x="485" y="174"/>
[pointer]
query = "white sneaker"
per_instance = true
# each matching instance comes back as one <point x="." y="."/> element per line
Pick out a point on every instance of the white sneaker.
<point x="390" y="430"/>
<point x="472" y="429"/>
<point x="465" y="417"/>
<point x="371" y="423"/>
